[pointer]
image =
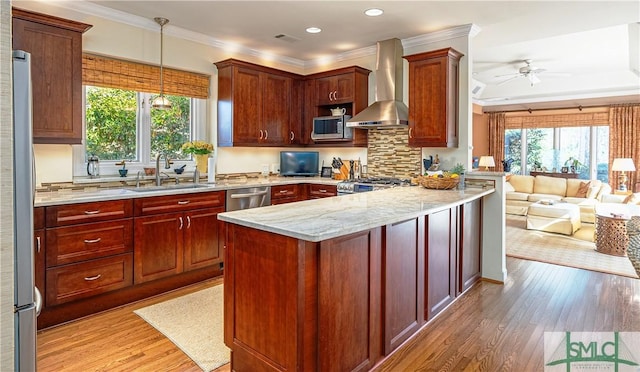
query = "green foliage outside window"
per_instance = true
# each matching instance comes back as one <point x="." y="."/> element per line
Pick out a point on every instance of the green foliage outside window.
<point x="111" y="123"/>
<point x="171" y="128"/>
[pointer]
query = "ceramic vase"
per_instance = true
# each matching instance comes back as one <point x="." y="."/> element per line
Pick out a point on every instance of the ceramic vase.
<point x="202" y="163"/>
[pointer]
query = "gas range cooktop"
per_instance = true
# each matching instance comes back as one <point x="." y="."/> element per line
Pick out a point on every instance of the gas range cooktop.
<point x="370" y="184"/>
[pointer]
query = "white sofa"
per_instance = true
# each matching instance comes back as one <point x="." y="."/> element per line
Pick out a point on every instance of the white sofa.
<point x="522" y="191"/>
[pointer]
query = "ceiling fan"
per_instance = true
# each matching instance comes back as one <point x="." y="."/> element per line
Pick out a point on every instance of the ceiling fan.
<point x="530" y="72"/>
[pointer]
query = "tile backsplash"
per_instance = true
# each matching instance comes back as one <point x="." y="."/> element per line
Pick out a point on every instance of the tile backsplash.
<point x="389" y="154"/>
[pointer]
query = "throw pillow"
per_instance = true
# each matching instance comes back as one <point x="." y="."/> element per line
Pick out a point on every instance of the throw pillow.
<point x="508" y="177"/>
<point x="583" y="189"/>
<point x="632" y="199"/>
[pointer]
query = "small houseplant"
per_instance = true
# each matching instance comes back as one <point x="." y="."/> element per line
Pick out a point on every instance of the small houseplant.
<point x="573" y="163"/>
<point x="200" y="151"/>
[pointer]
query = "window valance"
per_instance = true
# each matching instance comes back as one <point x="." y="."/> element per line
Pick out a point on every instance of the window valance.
<point x="593" y="117"/>
<point x="115" y="73"/>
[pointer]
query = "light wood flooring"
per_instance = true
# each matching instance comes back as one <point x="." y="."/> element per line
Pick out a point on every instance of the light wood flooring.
<point x="492" y="327"/>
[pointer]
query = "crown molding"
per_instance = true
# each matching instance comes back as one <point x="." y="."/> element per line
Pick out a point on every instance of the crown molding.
<point x="468" y="30"/>
<point x="630" y="94"/>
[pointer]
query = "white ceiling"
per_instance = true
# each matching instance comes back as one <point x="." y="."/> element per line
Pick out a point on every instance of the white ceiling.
<point x="595" y="43"/>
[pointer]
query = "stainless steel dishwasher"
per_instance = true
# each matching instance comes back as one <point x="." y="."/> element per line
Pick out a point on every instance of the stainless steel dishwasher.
<point x="249" y="197"/>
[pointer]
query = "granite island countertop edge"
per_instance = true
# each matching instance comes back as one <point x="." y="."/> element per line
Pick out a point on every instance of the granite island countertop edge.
<point x="327" y="218"/>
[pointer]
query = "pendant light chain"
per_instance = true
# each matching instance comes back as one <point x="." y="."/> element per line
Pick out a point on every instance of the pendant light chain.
<point x="161" y="102"/>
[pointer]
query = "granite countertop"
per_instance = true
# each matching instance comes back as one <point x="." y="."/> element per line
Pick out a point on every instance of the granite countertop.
<point x="92" y="194"/>
<point x="321" y="219"/>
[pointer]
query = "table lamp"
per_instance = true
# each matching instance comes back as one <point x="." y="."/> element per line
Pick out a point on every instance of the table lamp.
<point x="486" y="162"/>
<point x="623" y="165"/>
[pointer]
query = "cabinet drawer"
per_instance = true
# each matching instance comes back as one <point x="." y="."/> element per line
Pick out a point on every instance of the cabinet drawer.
<point x="322" y="191"/>
<point x="177" y="203"/>
<point x="72" y="282"/>
<point x="71" y="214"/>
<point x="79" y="243"/>
<point x="284" y="191"/>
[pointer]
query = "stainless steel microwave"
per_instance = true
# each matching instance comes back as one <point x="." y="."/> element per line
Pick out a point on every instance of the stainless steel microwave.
<point x="331" y="128"/>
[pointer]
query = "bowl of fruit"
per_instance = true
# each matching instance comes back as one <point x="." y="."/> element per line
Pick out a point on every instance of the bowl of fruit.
<point x="442" y="180"/>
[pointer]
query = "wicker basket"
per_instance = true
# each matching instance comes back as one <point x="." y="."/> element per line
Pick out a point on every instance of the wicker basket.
<point x="444" y="183"/>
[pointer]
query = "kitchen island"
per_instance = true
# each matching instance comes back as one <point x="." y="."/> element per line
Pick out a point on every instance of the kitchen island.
<point x="339" y="284"/>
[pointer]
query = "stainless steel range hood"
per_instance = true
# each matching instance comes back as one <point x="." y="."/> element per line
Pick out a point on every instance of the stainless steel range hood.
<point x="388" y="110"/>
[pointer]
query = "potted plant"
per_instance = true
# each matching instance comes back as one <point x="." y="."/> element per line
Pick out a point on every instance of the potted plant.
<point x="200" y="151"/>
<point x="573" y="163"/>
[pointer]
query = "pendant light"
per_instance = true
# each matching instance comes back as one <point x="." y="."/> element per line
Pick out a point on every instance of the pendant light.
<point x="161" y="102"/>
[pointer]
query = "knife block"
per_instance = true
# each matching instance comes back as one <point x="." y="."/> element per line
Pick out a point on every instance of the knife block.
<point x="344" y="172"/>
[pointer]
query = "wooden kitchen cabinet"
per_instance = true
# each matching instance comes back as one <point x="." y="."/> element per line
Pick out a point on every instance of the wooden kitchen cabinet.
<point x="403" y="283"/>
<point x="55" y="45"/>
<point x="88" y="250"/>
<point x="287" y="193"/>
<point x="317" y="191"/>
<point x="346" y="87"/>
<point x="257" y="105"/>
<point x="433" y="98"/>
<point x="441" y="248"/>
<point x="39" y="244"/>
<point x="176" y="233"/>
<point x="470" y="250"/>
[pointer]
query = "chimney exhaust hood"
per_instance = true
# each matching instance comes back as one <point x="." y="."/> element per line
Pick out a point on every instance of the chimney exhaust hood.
<point x="388" y="110"/>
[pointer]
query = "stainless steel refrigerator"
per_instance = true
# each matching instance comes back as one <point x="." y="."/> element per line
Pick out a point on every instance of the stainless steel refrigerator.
<point x="27" y="299"/>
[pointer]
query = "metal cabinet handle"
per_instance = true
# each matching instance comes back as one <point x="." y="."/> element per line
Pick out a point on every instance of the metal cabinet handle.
<point x="92" y="212"/>
<point x="90" y="241"/>
<point x="283" y="191"/>
<point x="260" y="134"/>
<point x="38" y="243"/>
<point x="181" y="223"/>
<point x="183" y="202"/>
<point x="188" y="222"/>
<point x="410" y="132"/>
<point x="322" y="190"/>
<point x="292" y="136"/>
<point x="335" y="95"/>
<point x="92" y="278"/>
<point x="330" y="93"/>
<point x="266" y="134"/>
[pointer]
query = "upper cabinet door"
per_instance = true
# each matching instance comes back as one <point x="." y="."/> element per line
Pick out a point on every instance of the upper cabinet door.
<point x="247" y="105"/>
<point x="433" y="98"/>
<point x="276" y="108"/>
<point x="335" y="89"/>
<point x="56" y="74"/>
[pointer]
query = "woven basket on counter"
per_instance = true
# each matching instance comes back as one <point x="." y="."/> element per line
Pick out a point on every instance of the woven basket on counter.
<point x="444" y="183"/>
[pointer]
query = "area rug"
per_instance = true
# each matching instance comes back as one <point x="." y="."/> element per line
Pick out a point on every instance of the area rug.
<point x="561" y="249"/>
<point x="194" y="323"/>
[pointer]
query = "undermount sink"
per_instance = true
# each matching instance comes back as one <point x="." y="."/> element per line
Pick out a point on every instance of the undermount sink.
<point x="167" y="187"/>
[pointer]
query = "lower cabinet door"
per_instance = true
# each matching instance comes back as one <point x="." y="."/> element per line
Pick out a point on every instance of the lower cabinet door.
<point x="80" y="280"/>
<point x="440" y="260"/>
<point x="202" y="238"/>
<point x="158" y="246"/>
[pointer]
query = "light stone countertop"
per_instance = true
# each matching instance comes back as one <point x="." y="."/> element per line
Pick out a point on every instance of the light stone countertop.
<point x="89" y="194"/>
<point x="327" y="218"/>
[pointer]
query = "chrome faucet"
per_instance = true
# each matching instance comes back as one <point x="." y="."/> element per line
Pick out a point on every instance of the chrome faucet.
<point x="167" y="165"/>
<point x="138" y="179"/>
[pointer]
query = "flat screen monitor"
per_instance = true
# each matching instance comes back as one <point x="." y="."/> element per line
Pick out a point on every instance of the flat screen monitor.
<point x="299" y="163"/>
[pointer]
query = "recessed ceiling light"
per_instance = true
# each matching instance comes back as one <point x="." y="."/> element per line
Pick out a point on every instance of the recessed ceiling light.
<point x="314" y="30"/>
<point x="373" y="12"/>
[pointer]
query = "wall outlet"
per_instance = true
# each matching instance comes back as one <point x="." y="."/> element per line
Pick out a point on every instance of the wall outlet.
<point x="265" y="169"/>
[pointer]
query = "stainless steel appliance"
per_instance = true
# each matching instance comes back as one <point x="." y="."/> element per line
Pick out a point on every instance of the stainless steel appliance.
<point x="248" y="197"/>
<point x="370" y="184"/>
<point x="27" y="299"/>
<point x="388" y="110"/>
<point x="331" y="128"/>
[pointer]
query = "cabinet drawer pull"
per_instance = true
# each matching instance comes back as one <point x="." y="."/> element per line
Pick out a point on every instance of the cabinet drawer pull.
<point x="38" y="243"/>
<point x="92" y="278"/>
<point x="92" y="212"/>
<point x="322" y="190"/>
<point x="89" y="241"/>
<point x="292" y="136"/>
<point x="266" y="134"/>
<point x="410" y="132"/>
<point x="188" y="222"/>
<point x="283" y="191"/>
<point x="260" y="134"/>
<point x="183" y="202"/>
<point x="181" y="223"/>
<point x="330" y="93"/>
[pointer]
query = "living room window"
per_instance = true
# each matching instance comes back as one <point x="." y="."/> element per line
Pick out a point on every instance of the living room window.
<point x="551" y="149"/>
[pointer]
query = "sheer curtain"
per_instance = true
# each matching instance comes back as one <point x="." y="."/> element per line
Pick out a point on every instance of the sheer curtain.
<point x="496" y="137"/>
<point x="624" y="140"/>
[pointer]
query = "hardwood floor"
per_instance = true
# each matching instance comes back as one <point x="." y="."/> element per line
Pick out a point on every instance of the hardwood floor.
<point x="492" y="327"/>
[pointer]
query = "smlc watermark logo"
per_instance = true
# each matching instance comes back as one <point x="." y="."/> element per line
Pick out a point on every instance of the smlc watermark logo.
<point x="592" y="351"/>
